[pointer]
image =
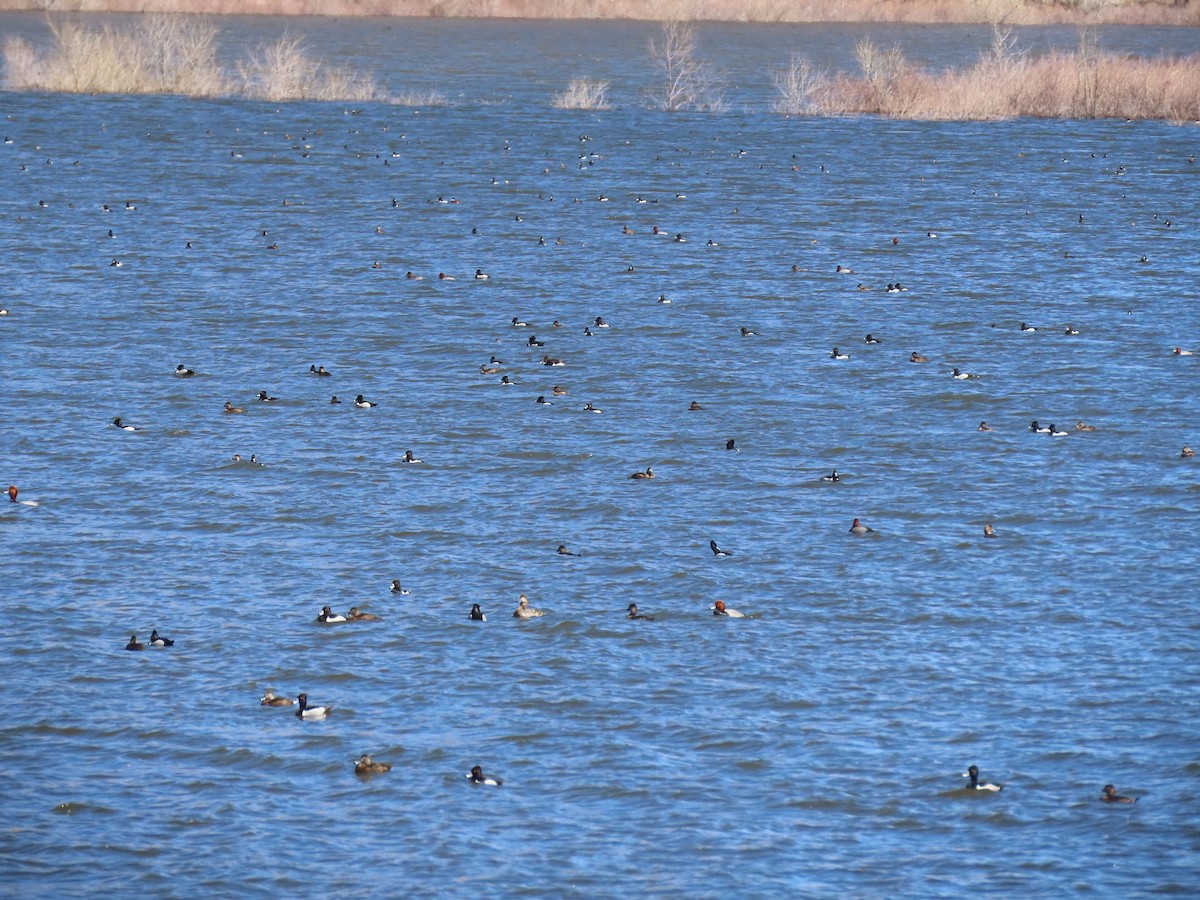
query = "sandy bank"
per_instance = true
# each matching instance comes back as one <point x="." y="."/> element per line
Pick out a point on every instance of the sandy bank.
<point x="1085" y="12"/>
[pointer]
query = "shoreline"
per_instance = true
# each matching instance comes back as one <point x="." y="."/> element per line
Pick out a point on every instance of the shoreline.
<point x="920" y="12"/>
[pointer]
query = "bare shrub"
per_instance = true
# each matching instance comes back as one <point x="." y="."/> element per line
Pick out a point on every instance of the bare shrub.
<point x="688" y="82"/>
<point x="284" y="70"/>
<point x="583" y="93"/>
<point x="884" y="72"/>
<point x="799" y="85"/>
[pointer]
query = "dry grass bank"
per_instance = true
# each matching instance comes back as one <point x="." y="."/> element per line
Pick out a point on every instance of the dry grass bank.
<point x="161" y="54"/>
<point x="1010" y="12"/>
<point x="1004" y="83"/>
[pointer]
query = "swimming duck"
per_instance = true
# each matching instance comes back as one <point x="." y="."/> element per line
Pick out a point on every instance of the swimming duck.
<point x="1110" y="795"/>
<point x="367" y="766"/>
<point x="858" y="528"/>
<point x="269" y="699"/>
<point x="1025" y="327"/>
<point x="694" y="406"/>
<point x="961" y="375"/>
<point x="525" y="611"/>
<point x="552" y="361"/>
<point x="989" y="531"/>
<point x="119" y="424"/>
<point x="1057" y="432"/>
<point x="485" y="369"/>
<point x="311" y="712"/>
<point x="832" y="476"/>
<point x="334" y="401"/>
<point x="476" y="614"/>
<point x="542" y="401"/>
<point x="1038" y="429"/>
<point x="413" y="276"/>
<point x="844" y="270"/>
<point x="746" y="332"/>
<point x="363" y="404"/>
<point x="1179" y="351"/>
<point x="183" y="371"/>
<point x="477" y="777"/>
<point x="157" y="640"/>
<point x="505" y="380"/>
<point x="1187" y="453"/>
<point x="720" y="609"/>
<point x="1070" y="331"/>
<point x="587" y="407"/>
<point x="634" y="614"/>
<point x="263" y="398"/>
<point x="559" y="390"/>
<point x="481" y="275"/>
<point x="329" y="617"/>
<point x="664" y="299"/>
<point x="918" y="358"/>
<point x="975" y="785"/>
<point x="870" y="339"/>
<point x="717" y="551"/>
<point x="731" y="444"/>
<point x="409" y="458"/>
<point x="587" y="332"/>
<point x="984" y="426"/>
<point x="563" y="551"/>
<point x="230" y="408"/>
<point x="600" y="323"/>
<point x="133" y="643"/>
<point x="649" y="473"/>
<point x="319" y="370"/>
<point x="838" y="354"/>
<point x="534" y="342"/>
<point x="517" y="323"/>
<point x="444" y="277"/>
<point x="356" y="615"/>
<point x="1083" y="426"/>
<point x="397" y="589"/>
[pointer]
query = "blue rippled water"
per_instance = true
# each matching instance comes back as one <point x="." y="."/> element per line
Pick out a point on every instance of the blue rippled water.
<point x="813" y="748"/>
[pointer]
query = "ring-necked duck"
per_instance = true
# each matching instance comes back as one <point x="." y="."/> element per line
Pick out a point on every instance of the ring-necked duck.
<point x="356" y="615"/>
<point x="329" y="617"/>
<point x="961" y="375"/>
<point x="600" y="323"/>
<point x="133" y="643"/>
<point x="870" y="339"/>
<point x="720" y="609"/>
<point x="731" y="444"/>
<point x="1025" y="327"/>
<point x="517" y="323"/>
<point x="552" y="361"/>
<point x="269" y="699"/>
<point x="157" y="640"/>
<point x="984" y="426"/>
<point x="918" y="358"/>
<point x="832" y="476"/>
<point x="476" y="614"/>
<point x="1038" y="429"/>
<point x="746" y="332"/>
<point x="838" y="354"/>
<point x="183" y="371"/>
<point x="477" y="777"/>
<point x="505" y="380"/>
<point x="587" y="407"/>
<point x="263" y="398"/>
<point x="563" y="551"/>
<point x="409" y="458"/>
<point x="397" y="589"/>
<point x="649" y="473"/>
<point x="363" y="404"/>
<point x="1057" y="432"/>
<point x="717" y="551"/>
<point x="481" y="275"/>
<point x="230" y="408"/>
<point x="844" y="270"/>
<point x="311" y="712"/>
<point x="634" y="614"/>
<point x="367" y="766"/>
<point x="525" y="611"/>
<point x="976" y="785"/>
<point x="694" y="406"/>
<point x="1070" y="331"/>
<point x="1110" y="795"/>
<point x="534" y="342"/>
<point x="858" y="528"/>
<point x="119" y="424"/>
<point x="334" y="401"/>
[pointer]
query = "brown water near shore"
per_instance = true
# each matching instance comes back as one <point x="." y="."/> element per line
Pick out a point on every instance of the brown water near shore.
<point x="1070" y="12"/>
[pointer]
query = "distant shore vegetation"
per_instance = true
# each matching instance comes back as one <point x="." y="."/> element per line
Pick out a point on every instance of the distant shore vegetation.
<point x="939" y="12"/>
<point x="170" y="54"/>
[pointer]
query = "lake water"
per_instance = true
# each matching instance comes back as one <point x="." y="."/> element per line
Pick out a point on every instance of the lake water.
<point x="813" y="748"/>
